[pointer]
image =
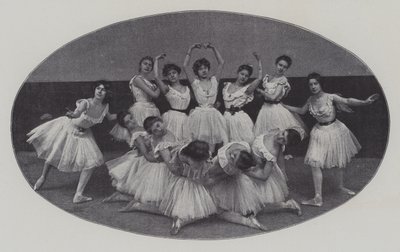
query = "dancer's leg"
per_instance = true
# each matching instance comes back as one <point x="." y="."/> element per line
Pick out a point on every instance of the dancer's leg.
<point x="340" y="184"/>
<point x="240" y="219"/>
<point x="83" y="180"/>
<point x="317" y="178"/>
<point x="118" y="196"/>
<point x="42" y="178"/>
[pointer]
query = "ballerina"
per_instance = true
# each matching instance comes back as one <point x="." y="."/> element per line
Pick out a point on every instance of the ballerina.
<point x="332" y="144"/>
<point x="67" y="142"/>
<point x="239" y="125"/>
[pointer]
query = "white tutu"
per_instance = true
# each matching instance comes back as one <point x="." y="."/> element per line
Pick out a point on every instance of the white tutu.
<point x="239" y="127"/>
<point x="237" y="193"/>
<point x="275" y="116"/>
<point x="208" y="124"/>
<point x="123" y="171"/>
<point x="141" y="110"/>
<point x="150" y="182"/>
<point x="65" y="146"/>
<point x="187" y="200"/>
<point x="274" y="189"/>
<point x="331" y="146"/>
<point x="177" y="123"/>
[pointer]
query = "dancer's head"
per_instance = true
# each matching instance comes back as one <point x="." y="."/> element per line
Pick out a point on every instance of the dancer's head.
<point x="243" y="160"/>
<point x="288" y="137"/>
<point x="146" y="64"/>
<point x="126" y="120"/>
<point x="314" y="83"/>
<point x="201" y="68"/>
<point x="102" y="91"/>
<point x="172" y="72"/>
<point x="282" y="64"/>
<point x="197" y="150"/>
<point x="243" y="73"/>
<point x="154" y="125"/>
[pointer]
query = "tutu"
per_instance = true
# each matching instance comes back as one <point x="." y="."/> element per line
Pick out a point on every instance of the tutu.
<point x="123" y="171"/>
<point x="142" y="110"/>
<point x="66" y="146"/>
<point x="187" y="200"/>
<point x="239" y="127"/>
<point x="207" y="124"/>
<point x="177" y="123"/>
<point x="150" y="182"/>
<point x="331" y="146"/>
<point x="237" y="193"/>
<point x="273" y="116"/>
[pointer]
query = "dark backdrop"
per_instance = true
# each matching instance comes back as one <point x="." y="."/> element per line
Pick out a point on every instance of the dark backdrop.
<point x="370" y="124"/>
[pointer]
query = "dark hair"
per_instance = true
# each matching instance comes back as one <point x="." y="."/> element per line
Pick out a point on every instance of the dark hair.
<point x="285" y="58"/>
<point x="246" y="67"/>
<point x="315" y="76"/>
<point x="245" y="160"/>
<point x="197" y="150"/>
<point x="120" y="118"/>
<point x="200" y="62"/>
<point x="146" y="58"/>
<point x="107" y="87"/>
<point x="149" y="121"/>
<point x="293" y="137"/>
<point x="169" y="67"/>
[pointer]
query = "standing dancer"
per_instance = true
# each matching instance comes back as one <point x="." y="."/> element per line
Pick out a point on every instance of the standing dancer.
<point x="239" y="125"/>
<point x="177" y="95"/>
<point x="67" y="142"/>
<point x="332" y="144"/>
<point x="205" y="122"/>
<point x="143" y="92"/>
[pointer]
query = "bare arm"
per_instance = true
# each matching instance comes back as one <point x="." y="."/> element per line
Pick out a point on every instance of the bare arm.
<point x="139" y="82"/>
<point x="164" y="88"/>
<point x="254" y="84"/>
<point x="220" y="60"/>
<point x="82" y="106"/>
<point x="111" y="117"/>
<point x="271" y="97"/>
<point x="261" y="173"/>
<point x="140" y="144"/>
<point x="355" y="102"/>
<point x="297" y="110"/>
<point x="186" y="68"/>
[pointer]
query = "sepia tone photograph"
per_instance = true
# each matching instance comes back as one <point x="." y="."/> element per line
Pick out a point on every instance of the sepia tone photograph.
<point x="200" y="125"/>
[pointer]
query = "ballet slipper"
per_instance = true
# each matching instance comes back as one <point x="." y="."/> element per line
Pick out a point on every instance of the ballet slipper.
<point x="79" y="198"/>
<point x="295" y="206"/>
<point x="130" y="207"/>
<point x="39" y="183"/>
<point x="176" y="226"/>
<point x="256" y="224"/>
<point x="346" y="191"/>
<point x="316" y="201"/>
<point x="117" y="196"/>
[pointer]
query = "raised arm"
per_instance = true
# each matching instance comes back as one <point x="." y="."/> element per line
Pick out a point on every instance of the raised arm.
<point x="220" y="60"/>
<point x="186" y="68"/>
<point x="254" y="84"/>
<point x="355" y="102"/>
<point x="139" y="82"/>
<point x="163" y="87"/>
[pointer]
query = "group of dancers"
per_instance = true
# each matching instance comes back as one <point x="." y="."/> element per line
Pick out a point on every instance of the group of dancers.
<point x="191" y="166"/>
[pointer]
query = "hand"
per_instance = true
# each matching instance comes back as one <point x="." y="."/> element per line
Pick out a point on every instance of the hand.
<point x="197" y="45"/>
<point x="372" y="98"/>
<point x="208" y="45"/>
<point x="256" y="56"/>
<point x="259" y="90"/>
<point x="69" y="114"/>
<point x="161" y="56"/>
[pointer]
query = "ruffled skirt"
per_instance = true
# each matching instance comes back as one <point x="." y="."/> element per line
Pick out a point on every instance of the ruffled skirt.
<point x="274" y="189"/>
<point x="141" y="110"/>
<point x="123" y="171"/>
<point x="61" y="144"/>
<point x="237" y="194"/>
<point x="239" y="127"/>
<point x="331" y="146"/>
<point x="177" y="123"/>
<point x="275" y="116"/>
<point x="150" y="182"/>
<point x="187" y="200"/>
<point x="207" y="124"/>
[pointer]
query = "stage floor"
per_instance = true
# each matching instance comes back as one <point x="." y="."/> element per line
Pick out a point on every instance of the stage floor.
<point x="60" y="187"/>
